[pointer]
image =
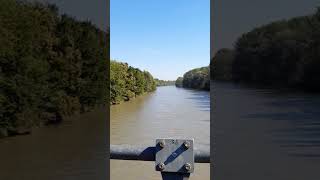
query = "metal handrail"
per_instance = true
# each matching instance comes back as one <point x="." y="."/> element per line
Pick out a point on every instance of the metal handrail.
<point x="143" y="153"/>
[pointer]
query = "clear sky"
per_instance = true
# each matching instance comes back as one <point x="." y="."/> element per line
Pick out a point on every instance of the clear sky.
<point x="96" y="11"/>
<point x="165" y="37"/>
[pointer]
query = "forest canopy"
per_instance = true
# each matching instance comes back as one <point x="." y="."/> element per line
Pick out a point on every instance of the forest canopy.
<point x="51" y="65"/>
<point x="127" y="82"/>
<point x="282" y="53"/>
<point x="198" y="78"/>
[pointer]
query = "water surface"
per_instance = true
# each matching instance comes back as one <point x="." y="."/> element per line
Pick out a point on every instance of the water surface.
<point x="73" y="150"/>
<point x="265" y="133"/>
<point x="167" y="112"/>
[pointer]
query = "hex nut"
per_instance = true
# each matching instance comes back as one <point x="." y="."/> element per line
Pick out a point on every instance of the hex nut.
<point x="188" y="167"/>
<point x="161" y="166"/>
<point x="162" y="144"/>
<point x="186" y="144"/>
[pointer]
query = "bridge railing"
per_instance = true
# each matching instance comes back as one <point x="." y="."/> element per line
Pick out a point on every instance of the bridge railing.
<point x="174" y="158"/>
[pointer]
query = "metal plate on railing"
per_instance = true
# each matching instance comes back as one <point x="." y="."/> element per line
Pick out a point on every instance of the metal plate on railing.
<point x="174" y="155"/>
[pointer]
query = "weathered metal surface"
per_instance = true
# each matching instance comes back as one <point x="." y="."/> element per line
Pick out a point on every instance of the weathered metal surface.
<point x="175" y="176"/>
<point x="174" y="155"/>
<point x="130" y="152"/>
<point x="143" y="153"/>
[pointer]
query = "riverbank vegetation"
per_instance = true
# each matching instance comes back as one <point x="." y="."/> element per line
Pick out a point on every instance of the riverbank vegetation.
<point x="179" y="82"/>
<point x="164" y="82"/>
<point x="221" y="65"/>
<point x="51" y="66"/>
<point x="127" y="82"/>
<point x="283" y="53"/>
<point x="198" y="78"/>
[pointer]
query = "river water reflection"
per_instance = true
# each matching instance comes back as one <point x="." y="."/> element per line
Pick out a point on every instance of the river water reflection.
<point x="73" y="150"/>
<point x="167" y="112"/>
<point x="265" y="133"/>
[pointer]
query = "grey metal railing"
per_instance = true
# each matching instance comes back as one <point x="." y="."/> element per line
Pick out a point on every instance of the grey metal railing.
<point x="174" y="158"/>
<point x="143" y="153"/>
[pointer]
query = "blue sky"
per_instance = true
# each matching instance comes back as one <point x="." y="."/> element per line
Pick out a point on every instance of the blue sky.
<point x="165" y="37"/>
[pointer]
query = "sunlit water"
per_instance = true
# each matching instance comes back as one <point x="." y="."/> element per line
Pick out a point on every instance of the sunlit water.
<point x="265" y="133"/>
<point x="167" y="112"/>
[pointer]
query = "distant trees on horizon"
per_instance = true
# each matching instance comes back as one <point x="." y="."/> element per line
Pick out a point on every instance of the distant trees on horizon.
<point x="164" y="82"/>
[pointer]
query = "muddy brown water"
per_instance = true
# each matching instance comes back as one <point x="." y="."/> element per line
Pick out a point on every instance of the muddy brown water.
<point x="167" y="112"/>
<point x="258" y="134"/>
<point x="265" y="133"/>
<point x="73" y="150"/>
<point x="76" y="149"/>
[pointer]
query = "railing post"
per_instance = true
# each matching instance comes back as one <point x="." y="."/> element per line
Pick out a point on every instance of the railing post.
<point x="174" y="158"/>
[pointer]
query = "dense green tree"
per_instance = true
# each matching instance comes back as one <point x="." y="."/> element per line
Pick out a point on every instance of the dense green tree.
<point x="198" y="78"/>
<point x="179" y="82"/>
<point x="283" y="53"/>
<point x="51" y="66"/>
<point x="221" y="65"/>
<point x="127" y="82"/>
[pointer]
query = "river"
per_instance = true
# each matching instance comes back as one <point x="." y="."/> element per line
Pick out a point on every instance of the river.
<point x="73" y="150"/>
<point x="167" y="112"/>
<point x="265" y="133"/>
<point x="76" y="149"/>
<point x="257" y="133"/>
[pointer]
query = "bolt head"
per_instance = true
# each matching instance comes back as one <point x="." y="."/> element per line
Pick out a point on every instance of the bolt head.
<point x="186" y="144"/>
<point x="161" y="166"/>
<point x="188" y="167"/>
<point x="162" y="144"/>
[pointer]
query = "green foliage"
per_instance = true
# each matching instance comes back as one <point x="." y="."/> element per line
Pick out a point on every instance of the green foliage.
<point x="164" y="82"/>
<point x="50" y="65"/>
<point x="221" y="65"/>
<point x="127" y="82"/>
<point x="283" y="53"/>
<point x="198" y="78"/>
<point x="179" y="82"/>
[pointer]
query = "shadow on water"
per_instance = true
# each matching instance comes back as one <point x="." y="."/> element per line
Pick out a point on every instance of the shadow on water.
<point x="301" y="136"/>
<point x="201" y="99"/>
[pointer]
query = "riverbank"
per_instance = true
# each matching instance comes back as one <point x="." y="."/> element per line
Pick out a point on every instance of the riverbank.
<point x="133" y="98"/>
<point x="127" y="82"/>
<point x="26" y="131"/>
<point x="276" y="88"/>
<point x="198" y="78"/>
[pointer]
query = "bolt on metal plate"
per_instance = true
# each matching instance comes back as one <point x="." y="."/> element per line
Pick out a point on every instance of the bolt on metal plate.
<point x="174" y="155"/>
